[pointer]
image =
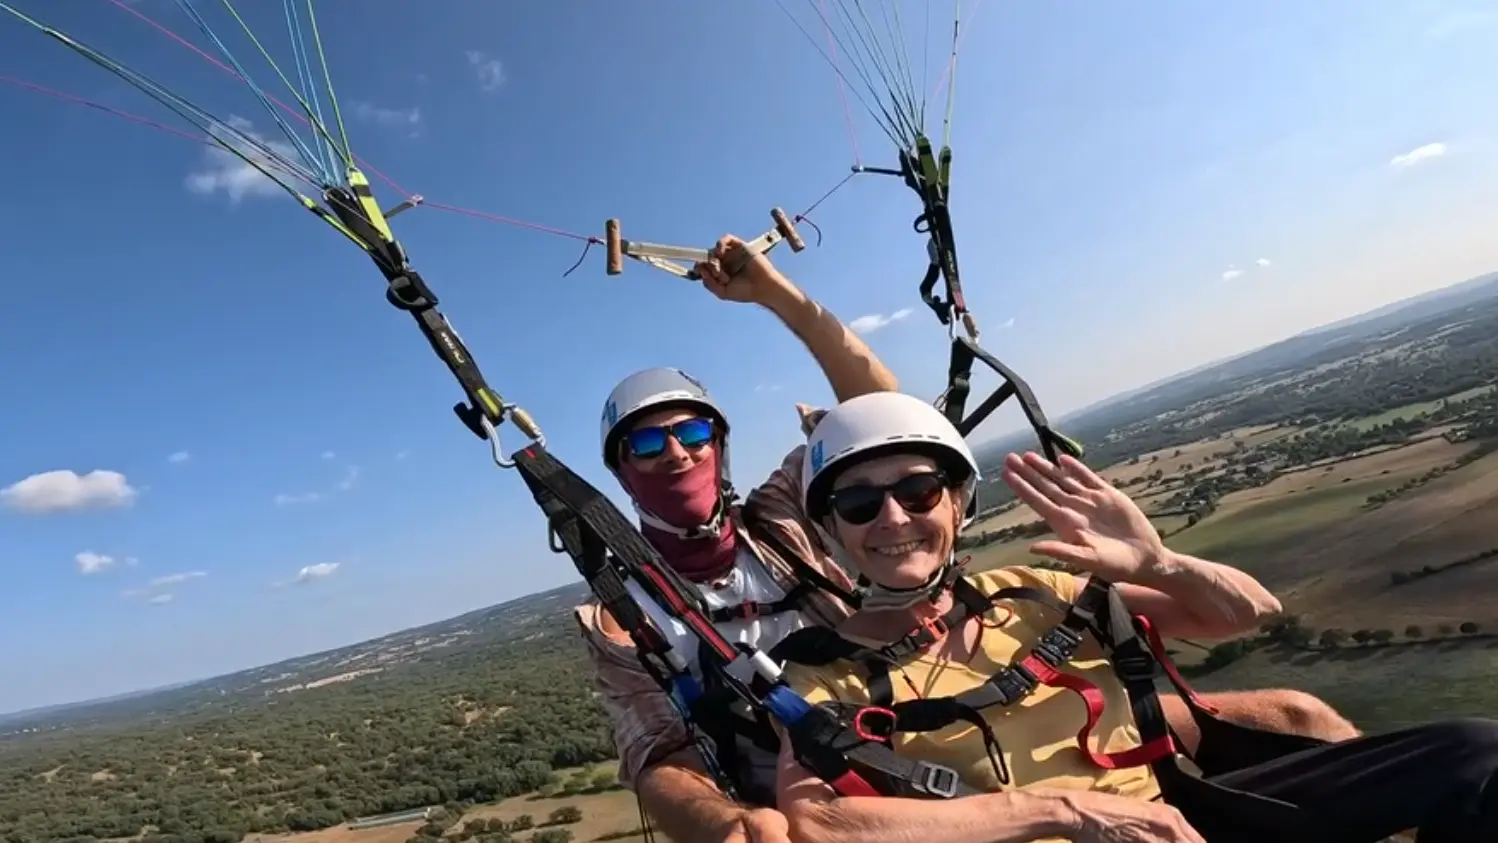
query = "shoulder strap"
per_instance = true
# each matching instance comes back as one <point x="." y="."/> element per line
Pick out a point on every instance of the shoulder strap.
<point x="758" y="527"/>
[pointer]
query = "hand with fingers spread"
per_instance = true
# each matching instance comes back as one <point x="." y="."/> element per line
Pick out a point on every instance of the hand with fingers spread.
<point x="736" y="274"/>
<point x="1098" y="528"/>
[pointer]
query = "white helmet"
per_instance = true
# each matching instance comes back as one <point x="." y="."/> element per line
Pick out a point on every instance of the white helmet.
<point x="874" y="425"/>
<point x="656" y="389"/>
<point x="879" y="423"/>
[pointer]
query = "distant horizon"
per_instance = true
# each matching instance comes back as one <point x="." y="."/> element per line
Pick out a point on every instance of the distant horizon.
<point x="1390" y="307"/>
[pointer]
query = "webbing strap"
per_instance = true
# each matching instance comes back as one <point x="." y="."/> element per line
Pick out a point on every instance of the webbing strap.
<point x="965" y="352"/>
<point x="409" y="292"/>
<point x="817" y="736"/>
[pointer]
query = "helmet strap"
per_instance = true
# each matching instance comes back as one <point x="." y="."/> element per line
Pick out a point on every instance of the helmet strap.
<point x="880" y="597"/>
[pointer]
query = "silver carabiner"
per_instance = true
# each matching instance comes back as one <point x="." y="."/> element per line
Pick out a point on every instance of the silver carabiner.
<point x="518" y="417"/>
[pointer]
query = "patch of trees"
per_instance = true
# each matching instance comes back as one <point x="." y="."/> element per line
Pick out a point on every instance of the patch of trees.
<point x="1377" y="500"/>
<point x="1399" y="578"/>
<point x="497" y="830"/>
<point x="468" y="726"/>
<point x="1028" y="530"/>
<point x="1291" y="631"/>
<point x="588" y="780"/>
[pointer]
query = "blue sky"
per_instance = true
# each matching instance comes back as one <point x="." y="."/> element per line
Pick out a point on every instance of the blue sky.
<point x="1138" y="189"/>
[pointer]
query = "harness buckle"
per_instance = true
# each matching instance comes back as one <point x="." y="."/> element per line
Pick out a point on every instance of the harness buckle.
<point x="749" y="611"/>
<point x="1057" y="646"/>
<point x="1013" y="684"/>
<point x="936" y="779"/>
<point x="863" y="730"/>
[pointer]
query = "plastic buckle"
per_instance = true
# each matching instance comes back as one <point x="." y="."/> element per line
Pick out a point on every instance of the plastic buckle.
<point x="1138" y="666"/>
<point x="936" y="779"/>
<point x="935" y="627"/>
<point x="863" y="731"/>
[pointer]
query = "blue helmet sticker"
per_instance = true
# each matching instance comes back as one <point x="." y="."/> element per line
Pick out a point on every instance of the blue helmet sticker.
<point x="611" y="413"/>
<point x="817" y="456"/>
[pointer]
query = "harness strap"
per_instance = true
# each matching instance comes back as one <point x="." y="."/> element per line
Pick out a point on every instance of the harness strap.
<point x="750" y="610"/>
<point x="760" y="531"/>
<point x="809" y="580"/>
<point x="1135" y="652"/>
<point x="590" y="527"/>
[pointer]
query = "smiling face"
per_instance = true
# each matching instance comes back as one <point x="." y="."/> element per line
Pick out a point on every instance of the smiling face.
<point x="909" y="518"/>
<point x="650" y="432"/>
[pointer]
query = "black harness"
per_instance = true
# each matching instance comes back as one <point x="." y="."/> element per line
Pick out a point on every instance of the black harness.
<point x="852" y="754"/>
<point x="1098" y="613"/>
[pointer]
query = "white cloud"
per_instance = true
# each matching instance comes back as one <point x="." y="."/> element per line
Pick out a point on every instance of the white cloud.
<point x="350" y="478"/>
<point x="152" y="592"/>
<point x="1418" y="154"/>
<point x="90" y="562"/>
<point x="1262" y="261"/>
<point x="64" y="490"/>
<point x="320" y="571"/>
<point x="393" y="118"/>
<point x="874" y="321"/>
<point x="284" y="499"/>
<point x="179" y="457"/>
<point x="490" y="73"/>
<point x="329" y="455"/>
<point x="174" y="579"/>
<point x="768" y="387"/>
<point x="1231" y="273"/>
<point x="1008" y="323"/>
<point x="223" y="170"/>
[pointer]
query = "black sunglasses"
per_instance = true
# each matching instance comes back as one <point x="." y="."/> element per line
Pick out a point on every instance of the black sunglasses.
<point x="917" y="494"/>
<point x="649" y="442"/>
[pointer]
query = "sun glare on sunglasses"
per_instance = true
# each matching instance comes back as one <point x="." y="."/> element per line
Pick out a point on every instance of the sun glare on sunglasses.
<point x="648" y="442"/>
<point x="917" y="494"/>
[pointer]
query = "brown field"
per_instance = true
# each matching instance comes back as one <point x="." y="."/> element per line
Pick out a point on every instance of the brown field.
<point x="1307" y="536"/>
<point x="1402" y="462"/>
<point x="1197" y="453"/>
<point x="604" y="814"/>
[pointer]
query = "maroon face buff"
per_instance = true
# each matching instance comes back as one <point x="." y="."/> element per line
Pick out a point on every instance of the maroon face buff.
<point x="685" y="499"/>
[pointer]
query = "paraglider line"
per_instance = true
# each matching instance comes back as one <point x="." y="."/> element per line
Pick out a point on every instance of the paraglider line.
<point x="951" y="62"/>
<point x="272" y="97"/>
<point x="208" y="141"/>
<point x="134" y="118"/>
<point x="842" y="89"/>
<point x="805" y="216"/>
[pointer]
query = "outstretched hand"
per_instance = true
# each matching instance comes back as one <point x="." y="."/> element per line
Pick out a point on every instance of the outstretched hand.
<point x="1098" y="528"/>
<point x="735" y="274"/>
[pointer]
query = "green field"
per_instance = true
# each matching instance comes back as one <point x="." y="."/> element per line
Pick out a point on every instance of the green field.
<point x="1255" y="532"/>
<point x="1380" y="687"/>
<point x="1410" y="411"/>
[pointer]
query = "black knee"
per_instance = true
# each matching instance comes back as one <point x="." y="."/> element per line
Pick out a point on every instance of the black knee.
<point x="1467" y="750"/>
<point x="1474" y="738"/>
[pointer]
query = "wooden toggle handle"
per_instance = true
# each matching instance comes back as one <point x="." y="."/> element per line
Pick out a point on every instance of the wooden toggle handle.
<point x="615" y="245"/>
<point x="787" y="229"/>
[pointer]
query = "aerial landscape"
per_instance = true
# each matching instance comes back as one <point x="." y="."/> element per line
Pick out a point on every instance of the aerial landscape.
<point x="1352" y="469"/>
<point x="290" y="561"/>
